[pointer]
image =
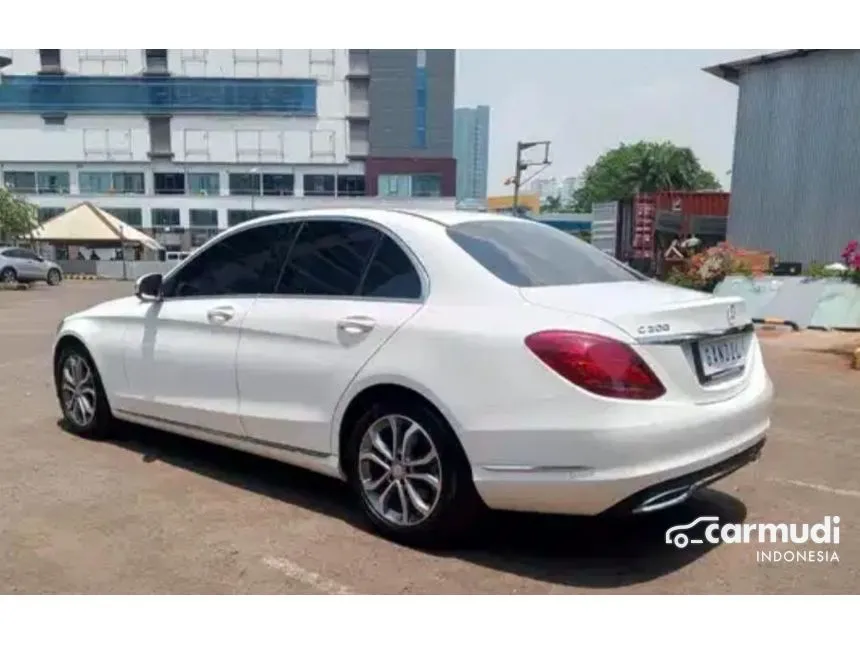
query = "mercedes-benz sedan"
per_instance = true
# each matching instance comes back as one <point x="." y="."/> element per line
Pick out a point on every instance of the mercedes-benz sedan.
<point x="439" y="362"/>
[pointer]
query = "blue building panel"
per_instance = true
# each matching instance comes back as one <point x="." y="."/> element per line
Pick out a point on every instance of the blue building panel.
<point x="421" y="107"/>
<point x="134" y="95"/>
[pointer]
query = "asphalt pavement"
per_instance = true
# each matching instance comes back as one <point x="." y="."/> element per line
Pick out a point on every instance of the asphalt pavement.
<point x="155" y="513"/>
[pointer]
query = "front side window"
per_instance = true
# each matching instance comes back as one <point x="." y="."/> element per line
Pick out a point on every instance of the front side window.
<point x="328" y="259"/>
<point x="528" y="254"/>
<point x="245" y="263"/>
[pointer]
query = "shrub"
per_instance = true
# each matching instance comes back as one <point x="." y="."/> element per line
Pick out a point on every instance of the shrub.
<point x="705" y="270"/>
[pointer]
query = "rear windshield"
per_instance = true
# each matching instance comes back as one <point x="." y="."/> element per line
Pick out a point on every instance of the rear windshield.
<point x="529" y="254"/>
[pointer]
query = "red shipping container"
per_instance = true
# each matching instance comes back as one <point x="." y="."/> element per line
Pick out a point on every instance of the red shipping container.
<point x="692" y="203"/>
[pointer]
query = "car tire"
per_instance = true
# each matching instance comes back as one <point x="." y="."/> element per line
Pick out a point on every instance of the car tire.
<point x="9" y="276"/>
<point x="436" y="518"/>
<point x="54" y="277"/>
<point x="81" y="395"/>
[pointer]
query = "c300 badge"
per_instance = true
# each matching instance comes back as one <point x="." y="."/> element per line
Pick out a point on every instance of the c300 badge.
<point x="659" y="328"/>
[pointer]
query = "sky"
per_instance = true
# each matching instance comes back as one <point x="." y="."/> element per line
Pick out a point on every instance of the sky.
<point x="588" y="101"/>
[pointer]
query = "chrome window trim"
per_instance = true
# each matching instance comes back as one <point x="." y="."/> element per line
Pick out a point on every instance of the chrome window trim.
<point x="417" y="264"/>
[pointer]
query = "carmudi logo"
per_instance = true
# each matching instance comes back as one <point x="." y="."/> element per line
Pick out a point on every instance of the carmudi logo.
<point x="709" y="530"/>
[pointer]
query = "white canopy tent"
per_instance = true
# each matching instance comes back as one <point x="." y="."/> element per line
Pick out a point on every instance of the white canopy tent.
<point x="88" y="225"/>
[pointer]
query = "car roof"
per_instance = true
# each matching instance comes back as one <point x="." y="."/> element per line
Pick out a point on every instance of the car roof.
<point x="442" y="217"/>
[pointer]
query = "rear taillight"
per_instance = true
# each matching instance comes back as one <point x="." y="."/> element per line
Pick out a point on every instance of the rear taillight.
<point x="598" y="364"/>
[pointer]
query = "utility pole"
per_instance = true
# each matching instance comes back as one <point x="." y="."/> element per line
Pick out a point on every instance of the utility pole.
<point x="525" y="165"/>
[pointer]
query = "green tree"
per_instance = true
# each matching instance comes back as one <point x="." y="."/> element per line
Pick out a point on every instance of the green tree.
<point x="17" y="217"/>
<point x="551" y="205"/>
<point x="644" y="167"/>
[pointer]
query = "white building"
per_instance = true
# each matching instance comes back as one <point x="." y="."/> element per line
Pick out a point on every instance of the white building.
<point x="548" y="187"/>
<point x="185" y="142"/>
<point x="569" y="185"/>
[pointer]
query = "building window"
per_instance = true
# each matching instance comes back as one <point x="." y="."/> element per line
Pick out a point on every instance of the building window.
<point x="128" y="182"/>
<point x="350" y="185"/>
<point x="20" y="182"/>
<point x="394" y="186"/>
<point x="169" y="183"/>
<point x="165" y="218"/>
<point x="94" y="183"/>
<point x="319" y="185"/>
<point x="237" y="216"/>
<point x="203" y="218"/>
<point x="204" y="183"/>
<point x="100" y="183"/>
<point x="421" y="99"/>
<point x="156" y="60"/>
<point x="244" y="183"/>
<point x="146" y="94"/>
<point x="53" y="182"/>
<point x="409" y="186"/>
<point x="426" y="186"/>
<point x="50" y="59"/>
<point x="131" y="216"/>
<point x="47" y="212"/>
<point x="274" y="184"/>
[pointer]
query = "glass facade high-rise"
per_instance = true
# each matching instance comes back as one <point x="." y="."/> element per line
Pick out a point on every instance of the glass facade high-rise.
<point x="471" y="150"/>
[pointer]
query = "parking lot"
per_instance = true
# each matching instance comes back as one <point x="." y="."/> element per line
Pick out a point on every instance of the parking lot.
<point x="154" y="513"/>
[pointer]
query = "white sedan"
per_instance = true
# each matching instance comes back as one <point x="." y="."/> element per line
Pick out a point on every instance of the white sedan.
<point x="439" y="362"/>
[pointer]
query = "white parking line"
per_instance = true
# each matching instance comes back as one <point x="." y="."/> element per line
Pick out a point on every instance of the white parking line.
<point x="299" y="574"/>
<point x="821" y="487"/>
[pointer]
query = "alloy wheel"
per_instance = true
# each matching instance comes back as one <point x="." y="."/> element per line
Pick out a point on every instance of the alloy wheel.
<point x="400" y="470"/>
<point x="78" y="390"/>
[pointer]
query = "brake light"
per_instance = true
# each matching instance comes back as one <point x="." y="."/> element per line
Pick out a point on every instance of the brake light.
<point x="598" y="364"/>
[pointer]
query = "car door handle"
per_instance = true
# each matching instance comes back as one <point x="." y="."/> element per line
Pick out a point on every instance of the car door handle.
<point x="356" y="324"/>
<point x="220" y="315"/>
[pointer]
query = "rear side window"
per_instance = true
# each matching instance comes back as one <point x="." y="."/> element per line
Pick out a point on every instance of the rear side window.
<point x="529" y="254"/>
<point x="328" y="259"/>
<point x="391" y="274"/>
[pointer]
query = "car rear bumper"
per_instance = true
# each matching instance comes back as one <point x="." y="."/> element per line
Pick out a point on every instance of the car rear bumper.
<point x="659" y="470"/>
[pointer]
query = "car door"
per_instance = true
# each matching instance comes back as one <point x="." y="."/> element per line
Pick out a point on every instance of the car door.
<point x="346" y="287"/>
<point x="37" y="268"/>
<point x="181" y="355"/>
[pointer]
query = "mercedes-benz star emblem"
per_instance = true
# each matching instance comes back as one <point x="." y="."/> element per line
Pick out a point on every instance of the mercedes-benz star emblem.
<point x="731" y="315"/>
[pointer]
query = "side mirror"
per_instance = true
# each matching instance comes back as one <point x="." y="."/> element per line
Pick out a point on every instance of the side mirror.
<point x="148" y="287"/>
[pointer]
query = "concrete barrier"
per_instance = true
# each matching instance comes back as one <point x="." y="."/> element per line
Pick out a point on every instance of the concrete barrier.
<point x="112" y="269"/>
<point x="827" y="303"/>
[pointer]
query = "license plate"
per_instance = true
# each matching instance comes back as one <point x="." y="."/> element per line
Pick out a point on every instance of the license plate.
<point x="725" y="354"/>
